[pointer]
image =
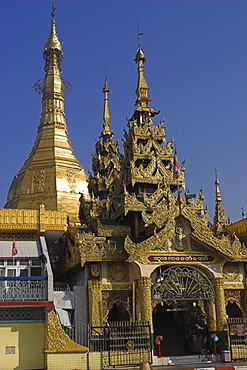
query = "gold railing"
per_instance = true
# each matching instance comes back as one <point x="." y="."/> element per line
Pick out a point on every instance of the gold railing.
<point x="41" y="219"/>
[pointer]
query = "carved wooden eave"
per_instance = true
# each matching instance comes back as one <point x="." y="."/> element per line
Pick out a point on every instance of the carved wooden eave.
<point x="81" y="246"/>
<point x="155" y="172"/>
<point x="110" y="230"/>
<point x="140" y="251"/>
<point x="229" y="245"/>
<point x="94" y="248"/>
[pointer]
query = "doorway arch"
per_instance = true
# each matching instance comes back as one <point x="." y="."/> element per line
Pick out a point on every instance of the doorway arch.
<point x="179" y="297"/>
<point x="182" y="282"/>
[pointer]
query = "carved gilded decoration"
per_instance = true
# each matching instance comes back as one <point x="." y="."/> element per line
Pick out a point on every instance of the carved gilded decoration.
<point x="117" y="297"/>
<point x="117" y="271"/>
<point x="57" y="340"/>
<point x="95" y="301"/>
<point x="93" y="248"/>
<point x="143" y="287"/>
<point x="115" y="286"/>
<point x="231" y="271"/>
<point x="234" y="286"/>
<point x="220" y="304"/>
<point x="228" y="245"/>
<point x="71" y="178"/>
<point x="39" y="181"/>
<point x="40" y="219"/>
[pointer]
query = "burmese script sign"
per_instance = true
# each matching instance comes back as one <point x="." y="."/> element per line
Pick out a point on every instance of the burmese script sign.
<point x="175" y="258"/>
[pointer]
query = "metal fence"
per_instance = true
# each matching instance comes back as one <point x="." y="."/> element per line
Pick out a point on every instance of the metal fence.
<point x="238" y="337"/>
<point x="23" y="289"/>
<point x="123" y="342"/>
<point x="127" y="342"/>
<point x="78" y="333"/>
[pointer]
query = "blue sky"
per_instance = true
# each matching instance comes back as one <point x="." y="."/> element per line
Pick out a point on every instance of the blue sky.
<point x="196" y="53"/>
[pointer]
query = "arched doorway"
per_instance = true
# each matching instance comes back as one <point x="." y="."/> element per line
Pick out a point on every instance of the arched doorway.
<point x="233" y="310"/>
<point x="183" y="326"/>
<point x="118" y="313"/>
<point x="179" y="316"/>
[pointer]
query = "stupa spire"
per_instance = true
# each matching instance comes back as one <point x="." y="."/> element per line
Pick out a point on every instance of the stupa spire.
<point x="51" y="175"/>
<point x="142" y="88"/>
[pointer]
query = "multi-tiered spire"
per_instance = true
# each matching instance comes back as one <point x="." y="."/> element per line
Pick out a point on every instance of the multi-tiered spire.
<point x="52" y="174"/>
<point x="106" y="165"/>
<point x="220" y="219"/>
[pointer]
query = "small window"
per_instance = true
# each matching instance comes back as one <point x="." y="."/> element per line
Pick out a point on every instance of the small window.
<point x="24" y="262"/>
<point x="23" y="272"/>
<point x="2" y="272"/>
<point x="1" y="262"/>
<point x="36" y="262"/>
<point x="11" y="272"/>
<point x="35" y="271"/>
<point x="12" y="262"/>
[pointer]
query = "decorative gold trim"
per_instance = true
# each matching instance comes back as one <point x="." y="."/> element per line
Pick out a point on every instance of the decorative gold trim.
<point x="234" y="286"/>
<point x="116" y="286"/>
<point x="30" y="219"/>
<point x="117" y="271"/>
<point x="57" y="340"/>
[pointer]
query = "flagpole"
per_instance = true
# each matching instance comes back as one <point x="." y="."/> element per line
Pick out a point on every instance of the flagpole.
<point x="13" y="255"/>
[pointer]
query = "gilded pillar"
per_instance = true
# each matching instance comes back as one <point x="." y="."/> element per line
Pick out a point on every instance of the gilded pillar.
<point x="144" y="293"/>
<point x="95" y="301"/>
<point x="221" y="321"/>
<point x="211" y="315"/>
<point x="245" y="298"/>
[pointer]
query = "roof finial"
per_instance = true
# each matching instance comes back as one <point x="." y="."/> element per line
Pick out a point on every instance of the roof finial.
<point x="106" y="133"/>
<point x="217" y="189"/>
<point x="53" y="41"/>
<point x="138" y="35"/>
<point x="142" y="87"/>
<point x="53" y="10"/>
<point x="243" y="213"/>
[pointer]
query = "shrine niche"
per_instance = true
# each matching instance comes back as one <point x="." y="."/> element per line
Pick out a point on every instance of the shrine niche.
<point x="120" y="302"/>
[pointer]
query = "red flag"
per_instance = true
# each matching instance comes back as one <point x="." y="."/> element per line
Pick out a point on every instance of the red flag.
<point x="14" y="249"/>
<point x="175" y="165"/>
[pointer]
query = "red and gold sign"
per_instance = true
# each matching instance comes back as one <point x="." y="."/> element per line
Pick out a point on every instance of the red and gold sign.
<point x="184" y="258"/>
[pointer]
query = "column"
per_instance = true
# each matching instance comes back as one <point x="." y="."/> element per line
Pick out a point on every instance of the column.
<point x="220" y="304"/>
<point x="211" y="315"/>
<point x="95" y="301"/>
<point x="144" y="294"/>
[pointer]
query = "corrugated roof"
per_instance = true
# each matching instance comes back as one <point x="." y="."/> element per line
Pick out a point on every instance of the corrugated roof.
<point x="29" y="248"/>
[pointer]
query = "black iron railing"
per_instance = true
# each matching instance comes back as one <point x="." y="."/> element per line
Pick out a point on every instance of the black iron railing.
<point x="127" y="342"/>
<point x="23" y="288"/>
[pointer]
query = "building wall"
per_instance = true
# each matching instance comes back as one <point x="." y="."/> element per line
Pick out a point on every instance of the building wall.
<point x="27" y="341"/>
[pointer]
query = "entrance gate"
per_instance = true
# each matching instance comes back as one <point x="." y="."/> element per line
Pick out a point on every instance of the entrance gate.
<point x="179" y="291"/>
<point x="238" y="337"/>
<point x="126" y="342"/>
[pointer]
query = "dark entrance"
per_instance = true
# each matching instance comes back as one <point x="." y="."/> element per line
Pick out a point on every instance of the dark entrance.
<point x="118" y="313"/>
<point x="183" y="328"/>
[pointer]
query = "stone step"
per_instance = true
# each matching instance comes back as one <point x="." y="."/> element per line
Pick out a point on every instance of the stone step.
<point x="176" y="360"/>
